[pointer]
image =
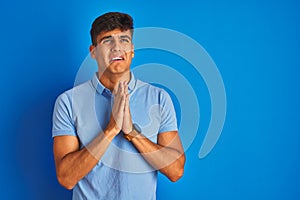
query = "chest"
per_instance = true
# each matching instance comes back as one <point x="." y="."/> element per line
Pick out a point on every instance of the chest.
<point x="91" y="115"/>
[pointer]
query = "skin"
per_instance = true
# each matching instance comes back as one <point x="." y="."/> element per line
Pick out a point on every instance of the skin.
<point x="73" y="163"/>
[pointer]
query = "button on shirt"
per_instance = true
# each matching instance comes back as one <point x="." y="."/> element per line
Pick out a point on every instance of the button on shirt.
<point x="122" y="173"/>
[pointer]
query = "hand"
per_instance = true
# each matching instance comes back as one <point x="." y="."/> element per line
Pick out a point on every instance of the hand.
<point x="117" y="113"/>
<point x="127" y="121"/>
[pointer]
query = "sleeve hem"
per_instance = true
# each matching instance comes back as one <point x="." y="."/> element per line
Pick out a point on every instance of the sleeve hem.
<point x="63" y="132"/>
<point x="168" y="129"/>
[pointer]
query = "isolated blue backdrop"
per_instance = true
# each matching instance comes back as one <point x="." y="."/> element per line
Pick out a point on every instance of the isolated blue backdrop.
<point x="255" y="45"/>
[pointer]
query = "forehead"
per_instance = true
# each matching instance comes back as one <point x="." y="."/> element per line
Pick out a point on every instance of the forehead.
<point x="114" y="33"/>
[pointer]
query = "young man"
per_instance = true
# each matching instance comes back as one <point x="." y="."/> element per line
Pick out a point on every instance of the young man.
<point x="113" y="133"/>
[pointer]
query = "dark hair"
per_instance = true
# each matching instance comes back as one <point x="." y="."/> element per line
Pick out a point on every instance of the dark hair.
<point x="110" y="21"/>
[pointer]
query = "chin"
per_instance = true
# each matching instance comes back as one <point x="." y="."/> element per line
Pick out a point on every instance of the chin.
<point x="118" y="69"/>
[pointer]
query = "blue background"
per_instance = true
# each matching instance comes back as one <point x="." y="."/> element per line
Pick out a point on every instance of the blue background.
<point x="255" y="45"/>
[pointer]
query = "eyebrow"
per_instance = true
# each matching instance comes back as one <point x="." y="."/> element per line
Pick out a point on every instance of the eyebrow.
<point x="105" y="37"/>
<point x="125" y="36"/>
<point x="110" y="36"/>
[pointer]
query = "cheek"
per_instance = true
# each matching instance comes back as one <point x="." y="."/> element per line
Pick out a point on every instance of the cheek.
<point x="128" y="56"/>
<point x="102" y="54"/>
<point x="128" y="49"/>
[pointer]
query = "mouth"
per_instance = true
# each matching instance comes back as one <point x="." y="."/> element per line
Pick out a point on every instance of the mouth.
<point x="117" y="58"/>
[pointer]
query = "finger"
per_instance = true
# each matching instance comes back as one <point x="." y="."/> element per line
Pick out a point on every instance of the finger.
<point x="127" y="108"/>
<point x="125" y="88"/>
<point x="116" y="89"/>
<point x="121" y="87"/>
<point x="122" y="103"/>
<point x="118" y="111"/>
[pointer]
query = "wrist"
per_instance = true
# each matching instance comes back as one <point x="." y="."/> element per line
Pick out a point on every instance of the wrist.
<point x="135" y="131"/>
<point x="111" y="132"/>
<point x="128" y="130"/>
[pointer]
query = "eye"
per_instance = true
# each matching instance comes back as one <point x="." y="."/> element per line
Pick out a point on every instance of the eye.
<point x="125" y="40"/>
<point x="107" y="41"/>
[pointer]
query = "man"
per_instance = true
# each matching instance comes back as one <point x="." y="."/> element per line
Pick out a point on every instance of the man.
<point x="113" y="133"/>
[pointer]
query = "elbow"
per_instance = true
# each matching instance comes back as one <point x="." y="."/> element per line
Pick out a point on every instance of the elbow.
<point x="177" y="175"/>
<point x="65" y="182"/>
<point x="178" y="171"/>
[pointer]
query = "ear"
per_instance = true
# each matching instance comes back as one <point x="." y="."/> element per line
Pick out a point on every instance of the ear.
<point x="92" y="51"/>
<point x="132" y="51"/>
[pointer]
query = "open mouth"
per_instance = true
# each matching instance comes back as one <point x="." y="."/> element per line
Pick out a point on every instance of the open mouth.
<point x="117" y="58"/>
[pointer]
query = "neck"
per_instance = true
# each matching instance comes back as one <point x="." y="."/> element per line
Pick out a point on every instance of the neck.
<point x="110" y="80"/>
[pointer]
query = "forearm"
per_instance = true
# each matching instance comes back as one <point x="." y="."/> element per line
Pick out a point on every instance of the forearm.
<point x="77" y="164"/>
<point x="73" y="164"/>
<point x="167" y="160"/>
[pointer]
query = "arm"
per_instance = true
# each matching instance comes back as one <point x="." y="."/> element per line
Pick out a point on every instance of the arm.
<point x="73" y="163"/>
<point x="167" y="155"/>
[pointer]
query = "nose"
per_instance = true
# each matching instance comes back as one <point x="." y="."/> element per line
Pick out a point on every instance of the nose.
<point x="116" y="46"/>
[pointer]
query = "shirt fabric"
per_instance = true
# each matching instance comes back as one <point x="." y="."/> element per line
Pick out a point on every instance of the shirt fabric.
<point x="122" y="173"/>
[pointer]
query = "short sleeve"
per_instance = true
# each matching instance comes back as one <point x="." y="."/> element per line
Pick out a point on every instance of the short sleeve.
<point x="62" y="122"/>
<point x="168" y="114"/>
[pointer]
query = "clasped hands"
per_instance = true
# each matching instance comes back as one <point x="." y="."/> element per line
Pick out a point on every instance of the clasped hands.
<point x="120" y="117"/>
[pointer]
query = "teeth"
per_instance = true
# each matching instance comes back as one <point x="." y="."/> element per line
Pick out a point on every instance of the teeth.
<point x="117" y="58"/>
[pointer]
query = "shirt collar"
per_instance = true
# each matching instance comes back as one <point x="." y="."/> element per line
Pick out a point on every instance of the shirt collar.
<point x="132" y="83"/>
<point x="97" y="84"/>
<point x="100" y="88"/>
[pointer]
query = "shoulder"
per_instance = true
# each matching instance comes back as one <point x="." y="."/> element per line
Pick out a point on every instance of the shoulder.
<point x="143" y="86"/>
<point x="151" y="92"/>
<point x="68" y="95"/>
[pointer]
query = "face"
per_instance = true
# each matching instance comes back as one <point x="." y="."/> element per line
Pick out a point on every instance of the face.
<point x="113" y="52"/>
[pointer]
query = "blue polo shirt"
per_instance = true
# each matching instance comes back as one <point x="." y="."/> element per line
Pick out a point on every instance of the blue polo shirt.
<point x="122" y="173"/>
